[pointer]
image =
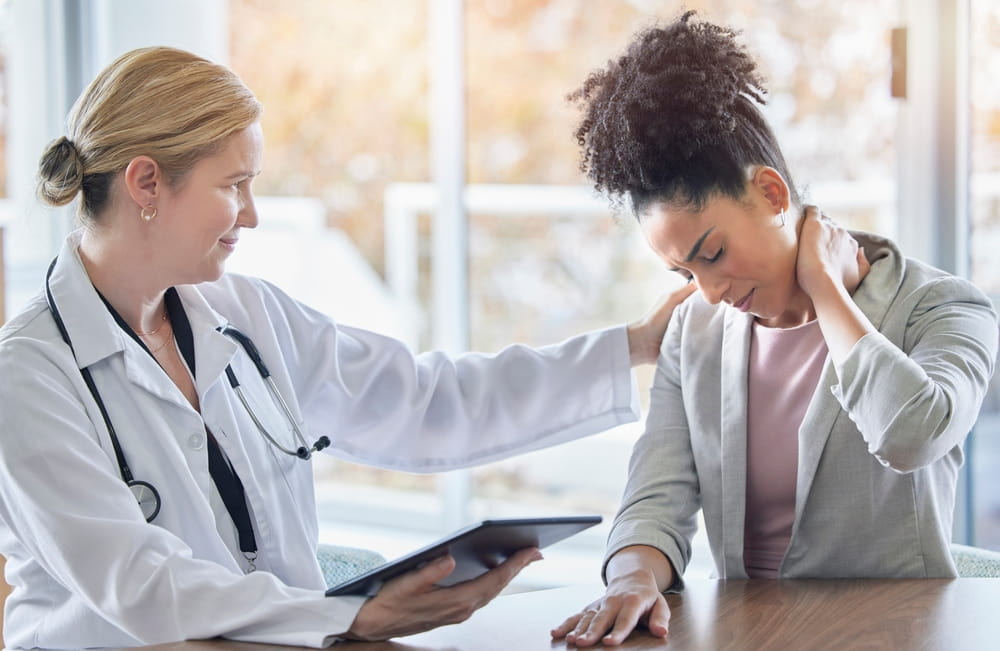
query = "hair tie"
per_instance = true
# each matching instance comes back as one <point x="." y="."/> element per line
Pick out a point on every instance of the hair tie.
<point x="69" y="149"/>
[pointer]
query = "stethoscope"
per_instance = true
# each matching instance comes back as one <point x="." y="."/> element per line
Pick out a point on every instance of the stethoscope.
<point x="145" y="493"/>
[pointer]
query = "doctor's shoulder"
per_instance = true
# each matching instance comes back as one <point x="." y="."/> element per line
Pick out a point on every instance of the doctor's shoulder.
<point x="33" y="324"/>
<point x="34" y="362"/>
<point x="249" y="301"/>
<point x="233" y="291"/>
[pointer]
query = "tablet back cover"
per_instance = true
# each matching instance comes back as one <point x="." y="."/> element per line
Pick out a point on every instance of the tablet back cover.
<point x="476" y="549"/>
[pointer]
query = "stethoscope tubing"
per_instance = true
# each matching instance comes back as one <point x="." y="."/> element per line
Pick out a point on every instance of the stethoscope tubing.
<point x="305" y="450"/>
<point x="146" y="495"/>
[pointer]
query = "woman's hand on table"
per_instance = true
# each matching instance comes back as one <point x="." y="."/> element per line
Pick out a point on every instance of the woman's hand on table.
<point x="630" y="600"/>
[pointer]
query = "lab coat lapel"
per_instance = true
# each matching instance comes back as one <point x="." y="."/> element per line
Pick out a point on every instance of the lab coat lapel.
<point x="78" y="302"/>
<point x="94" y="333"/>
<point x="212" y="352"/>
<point x="212" y="349"/>
<point x="883" y="280"/>
<point x="735" y="359"/>
<point x="143" y="372"/>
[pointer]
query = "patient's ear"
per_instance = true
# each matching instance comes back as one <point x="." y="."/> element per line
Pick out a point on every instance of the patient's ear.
<point x="772" y="186"/>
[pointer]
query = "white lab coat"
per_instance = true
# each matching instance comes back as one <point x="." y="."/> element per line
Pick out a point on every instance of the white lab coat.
<point x="86" y="568"/>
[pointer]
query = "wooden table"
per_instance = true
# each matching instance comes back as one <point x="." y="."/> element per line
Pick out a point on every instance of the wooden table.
<point x="787" y="615"/>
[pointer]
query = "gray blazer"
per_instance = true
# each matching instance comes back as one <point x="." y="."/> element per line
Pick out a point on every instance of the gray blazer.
<point x="880" y="446"/>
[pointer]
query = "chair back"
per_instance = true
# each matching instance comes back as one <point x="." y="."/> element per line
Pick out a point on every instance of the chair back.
<point x="341" y="563"/>
<point x="975" y="561"/>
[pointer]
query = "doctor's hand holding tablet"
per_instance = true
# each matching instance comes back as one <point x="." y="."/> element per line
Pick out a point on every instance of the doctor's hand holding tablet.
<point x="158" y="415"/>
<point x="454" y="576"/>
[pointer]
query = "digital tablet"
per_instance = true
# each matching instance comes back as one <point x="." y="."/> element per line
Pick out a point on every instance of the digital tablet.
<point x="476" y="549"/>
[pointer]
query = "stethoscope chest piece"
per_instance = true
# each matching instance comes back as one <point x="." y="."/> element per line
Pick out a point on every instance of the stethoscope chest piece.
<point x="147" y="497"/>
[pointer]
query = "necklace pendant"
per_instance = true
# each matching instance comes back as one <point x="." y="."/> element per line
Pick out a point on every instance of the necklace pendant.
<point x="142" y="333"/>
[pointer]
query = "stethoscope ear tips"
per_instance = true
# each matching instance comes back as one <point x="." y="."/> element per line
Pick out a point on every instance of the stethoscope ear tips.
<point x="322" y="442"/>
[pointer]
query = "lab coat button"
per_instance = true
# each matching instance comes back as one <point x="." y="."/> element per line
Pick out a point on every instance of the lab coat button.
<point x="196" y="441"/>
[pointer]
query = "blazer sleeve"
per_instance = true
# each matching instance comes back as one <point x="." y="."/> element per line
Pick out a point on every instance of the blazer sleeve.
<point x="662" y="496"/>
<point x="915" y="400"/>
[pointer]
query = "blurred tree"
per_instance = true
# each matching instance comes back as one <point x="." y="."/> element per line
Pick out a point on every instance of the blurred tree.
<point x="344" y="86"/>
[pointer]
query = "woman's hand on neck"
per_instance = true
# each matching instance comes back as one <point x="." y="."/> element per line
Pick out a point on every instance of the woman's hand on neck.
<point x="827" y="254"/>
<point x="830" y="267"/>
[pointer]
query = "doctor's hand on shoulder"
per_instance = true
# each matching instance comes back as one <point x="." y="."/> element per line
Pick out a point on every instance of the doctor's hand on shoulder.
<point x="413" y="603"/>
<point x="646" y="334"/>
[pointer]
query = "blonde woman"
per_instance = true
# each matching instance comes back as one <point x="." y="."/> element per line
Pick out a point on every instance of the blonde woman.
<point x="156" y="484"/>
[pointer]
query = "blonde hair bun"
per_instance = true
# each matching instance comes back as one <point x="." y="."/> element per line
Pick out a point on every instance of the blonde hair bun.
<point x="60" y="172"/>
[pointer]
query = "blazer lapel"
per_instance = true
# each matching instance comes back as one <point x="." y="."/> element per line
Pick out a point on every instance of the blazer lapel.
<point x="818" y="422"/>
<point x="735" y="358"/>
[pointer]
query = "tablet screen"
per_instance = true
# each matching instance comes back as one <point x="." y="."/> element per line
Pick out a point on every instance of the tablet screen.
<point x="476" y="549"/>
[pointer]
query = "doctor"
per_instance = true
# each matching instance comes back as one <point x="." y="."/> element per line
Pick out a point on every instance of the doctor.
<point x="156" y="486"/>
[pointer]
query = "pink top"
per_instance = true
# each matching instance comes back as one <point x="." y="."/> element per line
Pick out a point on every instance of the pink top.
<point x="785" y="366"/>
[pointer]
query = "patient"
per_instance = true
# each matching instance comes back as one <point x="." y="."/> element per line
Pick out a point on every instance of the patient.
<point x="813" y="397"/>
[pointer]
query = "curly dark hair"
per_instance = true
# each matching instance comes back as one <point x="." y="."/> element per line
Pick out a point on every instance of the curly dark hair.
<point x="675" y="118"/>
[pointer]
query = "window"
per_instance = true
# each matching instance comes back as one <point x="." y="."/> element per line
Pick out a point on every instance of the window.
<point x="346" y="123"/>
<point x="985" y="209"/>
